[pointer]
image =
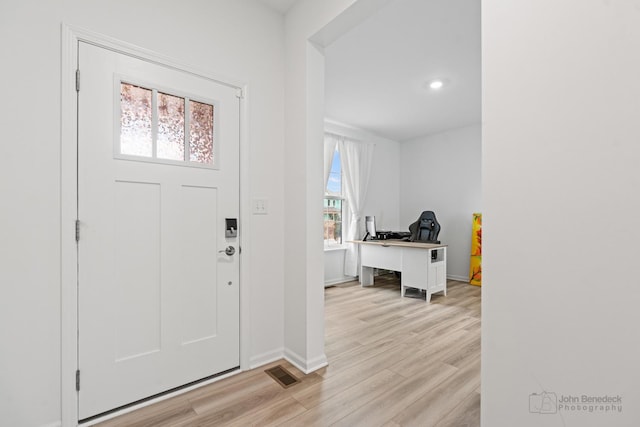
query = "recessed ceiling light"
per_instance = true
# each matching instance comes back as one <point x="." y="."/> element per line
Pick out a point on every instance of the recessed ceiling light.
<point x="436" y="84"/>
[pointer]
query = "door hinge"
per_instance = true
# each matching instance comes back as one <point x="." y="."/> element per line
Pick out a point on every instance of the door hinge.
<point x="240" y="94"/>
<point x="77" y="230"/>
<point x="78" y="80"/>
<point x="78" y="380"/>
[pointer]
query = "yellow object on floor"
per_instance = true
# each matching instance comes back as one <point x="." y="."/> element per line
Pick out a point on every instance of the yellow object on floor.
<point x="475" y="266"/>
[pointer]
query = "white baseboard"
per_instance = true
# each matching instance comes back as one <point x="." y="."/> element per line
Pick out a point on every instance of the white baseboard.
<point x="290" y="356"/>
<point x="54" y="424"/>
<point x="295" y="360"/>
<point x="267" y="357"/>
<point x="343" y="279"/>
<point x="317" y="363"/>
<point x="350" y="279"/>
<point x="306" y="366"/>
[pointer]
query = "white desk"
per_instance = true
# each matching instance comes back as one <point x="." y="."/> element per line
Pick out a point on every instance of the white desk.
<point x="423" y="265"/>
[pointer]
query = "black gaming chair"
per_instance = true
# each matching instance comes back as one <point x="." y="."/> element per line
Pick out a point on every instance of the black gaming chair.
<point x="425" y="229"/>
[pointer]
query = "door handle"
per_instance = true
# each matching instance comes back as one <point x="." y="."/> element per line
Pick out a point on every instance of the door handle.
<point x="229" y="250"/>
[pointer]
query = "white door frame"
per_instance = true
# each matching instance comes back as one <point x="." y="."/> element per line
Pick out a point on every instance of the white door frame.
<point x="71" y="36"/>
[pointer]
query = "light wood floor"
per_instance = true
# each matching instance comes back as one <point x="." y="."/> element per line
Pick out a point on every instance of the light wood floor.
<point x="392" y="362"/>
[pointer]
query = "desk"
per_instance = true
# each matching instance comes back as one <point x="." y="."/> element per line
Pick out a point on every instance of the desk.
<point x="423" y="265"/>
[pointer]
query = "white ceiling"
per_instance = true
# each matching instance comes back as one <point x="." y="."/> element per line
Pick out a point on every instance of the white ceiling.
<point x="376" y="73"/>
<point x="281" y="6"/>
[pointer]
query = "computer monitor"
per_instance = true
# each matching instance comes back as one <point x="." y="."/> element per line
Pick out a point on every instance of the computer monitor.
<point x="370" y="222"/>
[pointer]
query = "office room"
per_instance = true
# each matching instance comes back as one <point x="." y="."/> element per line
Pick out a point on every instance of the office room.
<point x="426" y="156"/>
<point x="557" y="151"/>
<point x="427" y="142"/>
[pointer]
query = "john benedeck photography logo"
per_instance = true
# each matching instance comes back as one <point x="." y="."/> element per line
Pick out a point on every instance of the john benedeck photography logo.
<point x="548" y="402"/>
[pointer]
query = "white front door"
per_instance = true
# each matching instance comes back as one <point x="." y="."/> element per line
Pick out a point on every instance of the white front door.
<point x="158" y="177"/>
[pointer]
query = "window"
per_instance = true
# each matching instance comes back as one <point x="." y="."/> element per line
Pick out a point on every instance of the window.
<point x="334" y="204"/>
<point x="167" y="128"/>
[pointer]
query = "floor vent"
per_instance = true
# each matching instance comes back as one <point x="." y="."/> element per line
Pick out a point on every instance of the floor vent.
<point x="282" y="376"/>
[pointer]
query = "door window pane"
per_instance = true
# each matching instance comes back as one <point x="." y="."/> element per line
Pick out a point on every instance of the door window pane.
<point x="136" y="118"/>
<point x="170" y="127"/>
<point x="201" y="132"/>
<point x="166" y="127"/>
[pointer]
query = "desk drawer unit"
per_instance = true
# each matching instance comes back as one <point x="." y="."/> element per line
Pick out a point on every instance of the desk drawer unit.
<point x="415" y="273"/>
<point x="424" y="269"/>
<point x="380" y="256"/>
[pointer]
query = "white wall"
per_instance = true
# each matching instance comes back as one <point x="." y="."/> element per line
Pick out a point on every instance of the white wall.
<point x="304" y="104"/>
<point x="242" y="40"/>
<point x="383" y="198"/>
<point x="442" y="173"/>
<point x="560" y="197"/>
<point x="334" y="267"/>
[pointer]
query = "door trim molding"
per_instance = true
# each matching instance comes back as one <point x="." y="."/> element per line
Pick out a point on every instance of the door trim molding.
<point x="71" y="37"/>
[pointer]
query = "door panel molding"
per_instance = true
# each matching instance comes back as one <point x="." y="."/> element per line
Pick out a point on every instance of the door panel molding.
<point x="71" y="37"/>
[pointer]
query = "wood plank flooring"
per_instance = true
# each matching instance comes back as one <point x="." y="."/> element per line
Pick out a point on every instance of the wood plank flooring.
<point x="392" y="362"/>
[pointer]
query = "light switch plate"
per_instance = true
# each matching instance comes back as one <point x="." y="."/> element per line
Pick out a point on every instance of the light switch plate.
<point x="260" y="206"/>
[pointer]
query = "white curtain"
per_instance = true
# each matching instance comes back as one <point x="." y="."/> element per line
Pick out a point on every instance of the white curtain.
<point x="356" y="168"/>
<point x="330" y="142"/>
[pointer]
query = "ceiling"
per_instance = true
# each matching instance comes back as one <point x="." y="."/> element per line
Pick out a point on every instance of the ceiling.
<point x="281" y="6"/>
<point x="377" y="74"/>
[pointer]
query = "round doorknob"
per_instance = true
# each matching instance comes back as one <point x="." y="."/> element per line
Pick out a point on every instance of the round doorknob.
<point x="229" y="250"/>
